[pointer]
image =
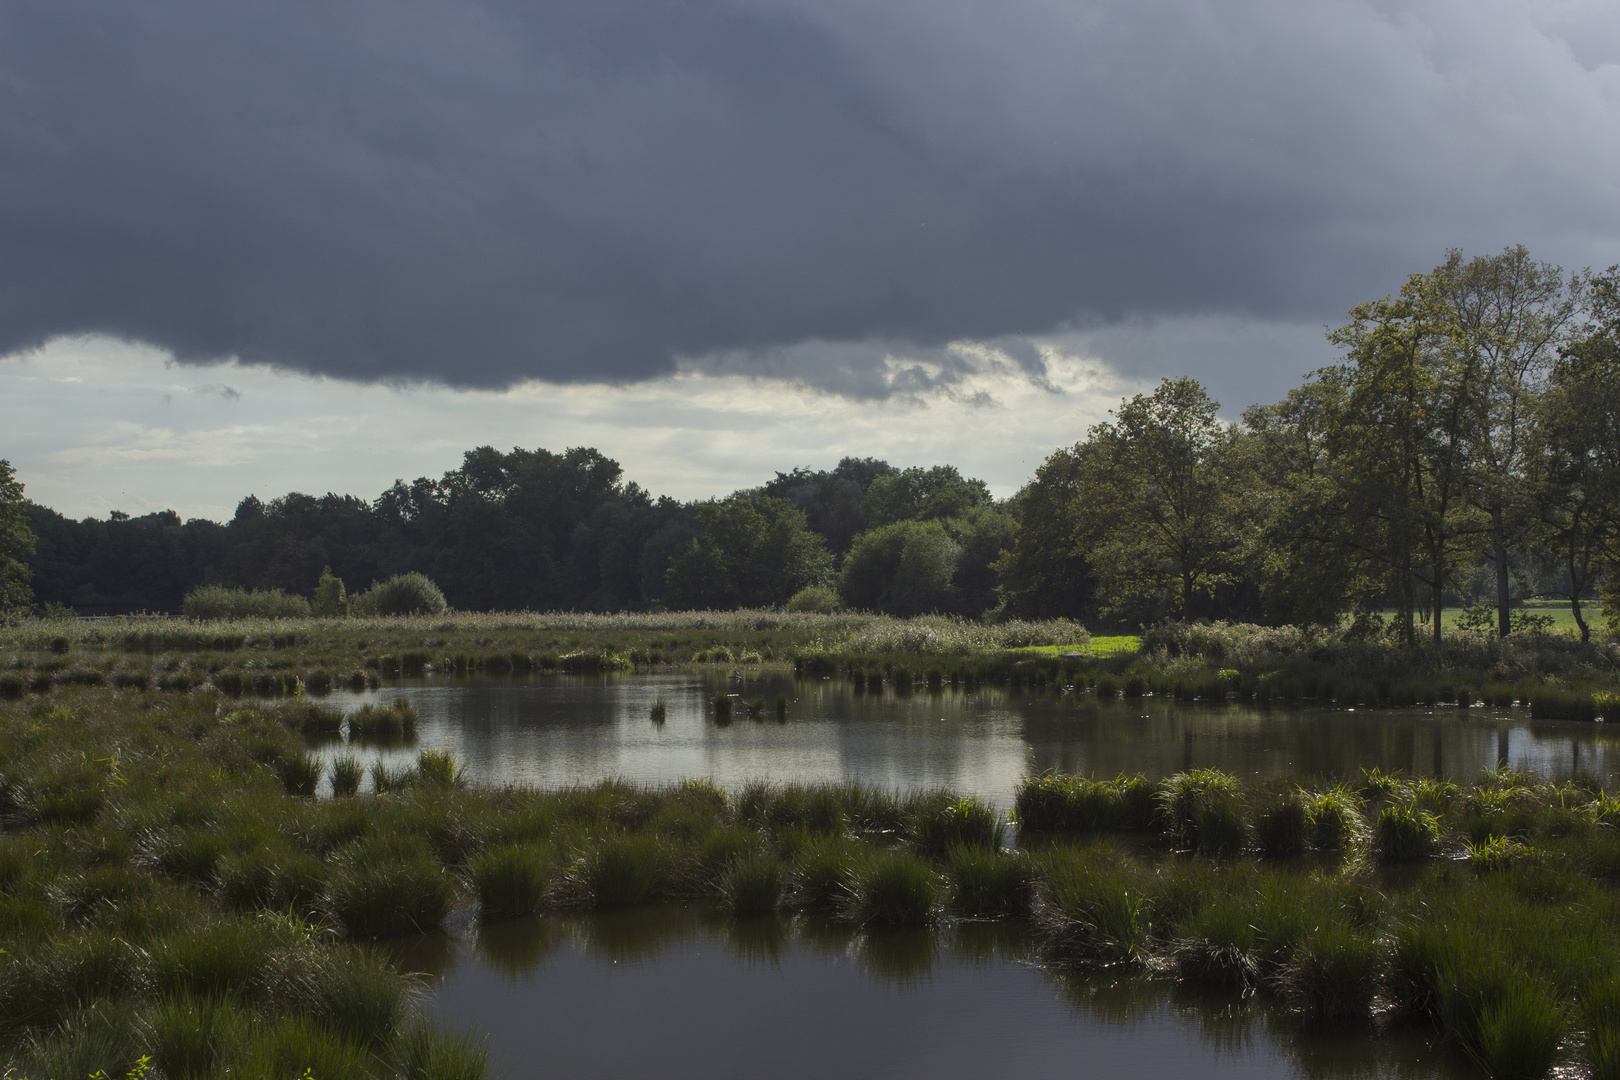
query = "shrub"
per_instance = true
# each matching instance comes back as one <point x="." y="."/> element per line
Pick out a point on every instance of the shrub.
<point x="753" y="885"/>
<point x="510" y="879"/>
<point x="331" y="598"/>
<point x="1404" y="833"/>
<point x="402" y="594"/>
<point x="895" y="889"/>
<point x="208" y="603"/>
<point x="816" y="599"/>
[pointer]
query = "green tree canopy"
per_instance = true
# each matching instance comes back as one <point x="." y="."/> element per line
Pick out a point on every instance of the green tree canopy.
<point x="1160" y="514"/>
<point x="16" y="544"/>
<point x="747" y="551"/>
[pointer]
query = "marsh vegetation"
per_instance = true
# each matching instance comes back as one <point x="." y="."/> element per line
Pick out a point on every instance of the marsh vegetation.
<point x="173" y="887"/>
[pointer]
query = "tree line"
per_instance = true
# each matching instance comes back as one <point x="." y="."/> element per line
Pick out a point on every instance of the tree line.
<point x="1464" y="449"/>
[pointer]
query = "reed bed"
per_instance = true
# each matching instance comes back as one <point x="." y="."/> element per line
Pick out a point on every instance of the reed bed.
<point x="167" y="824"/>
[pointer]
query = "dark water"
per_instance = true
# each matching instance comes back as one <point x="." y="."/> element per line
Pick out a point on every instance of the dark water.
<point x="551" y="731"/>
<point x="684" y="993"/>
<point x="678" y="993"/>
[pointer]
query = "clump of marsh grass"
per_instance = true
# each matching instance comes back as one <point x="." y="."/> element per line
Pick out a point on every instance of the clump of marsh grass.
<point x="1519" y="1033"/>
<point x="940" y="824"/>
<point x="388" y="885"/>
<point x="624" y="871"/>
<point x="438" y="769"/>
<point x="722" y="708"/>
<point x="272" y="876"/>
<point x="396" y="720"/>
<point x="1332" y="819"/>
<point x="659" y="710"/>
<point x="753" y="885"/>
<point x="987" y="882"/>
<point x="1403" y="833"/>
<point x="1333" y="974"/>
<point x="300" y="775"/>
<point x="430" y="1054"/>
<point x="1093" y="907"/>
<point x="1054" y="802"/>
<point x="1218" y="947"/>
<point x="1600" y="1016"/>
<point x="1282" y="829"/>
<point x="1203" y="809"/>
<point x="894" y="890"/>
<point x="826" y="869"/>
<point x="346" y="774"/>
<point x="189" y="1036"/>
<point x="510" y="879"/>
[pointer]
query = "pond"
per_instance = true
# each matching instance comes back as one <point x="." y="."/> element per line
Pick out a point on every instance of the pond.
<point x="548" y="731"/>
<point x="679" y="992"/>
<point x="682" y="992"/>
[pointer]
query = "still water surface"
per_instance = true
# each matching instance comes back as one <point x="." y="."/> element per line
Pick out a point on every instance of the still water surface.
<point x="688" y="993"/>
<point x="683" y="993"/>
<point x="556" y="730"/>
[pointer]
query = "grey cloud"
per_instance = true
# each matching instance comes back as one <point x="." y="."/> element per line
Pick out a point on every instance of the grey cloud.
<point x="220" y="390"/>
<point x="608" y="189"/>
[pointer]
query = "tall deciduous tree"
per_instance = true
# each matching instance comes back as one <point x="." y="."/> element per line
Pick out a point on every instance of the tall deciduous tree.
<point x="1161" y="511"/>
<point x="1398" y="440"/>
<point x="1507" y="315"/>
<point x="16" y="544"/>
<point x="1573" y="468"/>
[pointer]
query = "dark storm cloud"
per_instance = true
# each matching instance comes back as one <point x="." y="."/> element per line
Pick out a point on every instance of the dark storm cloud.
<point x="596" y="189"/>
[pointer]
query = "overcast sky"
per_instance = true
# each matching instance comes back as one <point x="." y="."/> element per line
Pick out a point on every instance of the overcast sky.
<point x="253" y="247"/>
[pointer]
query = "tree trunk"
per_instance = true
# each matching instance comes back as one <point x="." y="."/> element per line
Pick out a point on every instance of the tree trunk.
<point x="1439" y="601"/>
<point x="1408" y="628"/>
<point x="1499" y="555"/>
<point x="1577" y="582"/>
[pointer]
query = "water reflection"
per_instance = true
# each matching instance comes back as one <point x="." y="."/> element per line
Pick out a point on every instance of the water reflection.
<point x="688" y="992"/>
<point x="557" y="730"/>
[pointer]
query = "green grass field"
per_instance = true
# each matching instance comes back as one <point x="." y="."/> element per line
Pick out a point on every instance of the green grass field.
<point x="1097" y="648"/>
<point x="1563" y="619"/>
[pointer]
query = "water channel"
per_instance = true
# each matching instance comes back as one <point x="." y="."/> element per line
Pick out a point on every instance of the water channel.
<point x="688" y="993"/>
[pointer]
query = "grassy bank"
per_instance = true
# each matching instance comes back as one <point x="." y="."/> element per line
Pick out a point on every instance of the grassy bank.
<point x="1552" y="675"/>
<point x="169" y="888"/>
